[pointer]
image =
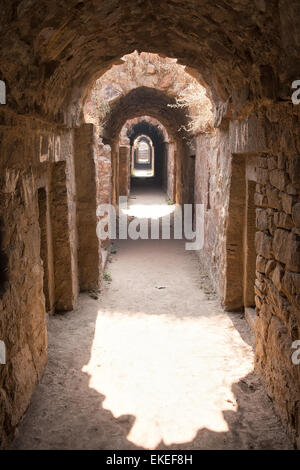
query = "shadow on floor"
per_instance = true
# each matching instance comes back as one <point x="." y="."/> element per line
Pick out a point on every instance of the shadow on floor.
<point x="66" y="413"/>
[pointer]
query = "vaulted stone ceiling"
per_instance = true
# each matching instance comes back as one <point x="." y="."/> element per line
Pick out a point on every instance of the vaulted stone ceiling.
<point x="145" y="127"/>
<point x="145" y="70"/>
<point x="243" y="49"/>
<point x="141" y="101"/>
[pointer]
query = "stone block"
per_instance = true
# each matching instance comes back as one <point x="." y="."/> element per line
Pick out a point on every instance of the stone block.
<point x="260" y="200"/>
<point x="281" y="161"/>
<point x="278" y="303"/>
<point x="293" y="168"/>
<point x="296" y="214"/>
<point x="270" y="266"/>
<point x="273" y="198"/>
<point x="261" y="219"/>
<point x="258" y="302"/>
<point x="286" y="249"/>
<point x="278" y="179"/>
<point x="291" y="283"/>
<point x="261" y="264"/>
<point x="271" y="225"/>
<point x="277" y="276"/>
<point x="291" y="189"/>
<point x="263" y="243"/>
<point x="262" y="175"/>
<point x="260" y="285"/>
<point x="261" y="162"/>
<point x="283" y="220"/>
<point x="272" y="163"/>
<point x="287" y="202"/>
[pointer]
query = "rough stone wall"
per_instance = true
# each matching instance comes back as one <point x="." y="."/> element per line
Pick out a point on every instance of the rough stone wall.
<point x="235" y="232"/>
<point x="65" y="269"/>
<point x="64" y="228"/>
<point x="250" y="229"/>
<point x="188" y="176"/>
<point x="124" y="156"/>
<point x="212" y="184"/>
<point x="22" y="306"/>
<point x="103" y="174"/>
<point x="89" y="246"/>
<point x="31" y="151"/>
<point x="262" y="150"/>
<point x="240" y="234"/>
<point x="277" y="285"/>
<point x="248" y="53"/>
<point x="22" y="302"/>
<point x="165" y="152"/>
<point x="115" y="171"/>
<point x="180" y="155"/>
<point x="169" y="170"/>
<point x="220" y="164"/>
<point x="103" y="183"/>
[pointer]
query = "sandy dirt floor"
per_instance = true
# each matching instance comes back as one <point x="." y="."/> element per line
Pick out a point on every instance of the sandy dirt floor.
<point x="148" y="368"/>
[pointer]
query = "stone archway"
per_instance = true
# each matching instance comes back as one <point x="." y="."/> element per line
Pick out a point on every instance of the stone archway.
<point x="247" y="57"/>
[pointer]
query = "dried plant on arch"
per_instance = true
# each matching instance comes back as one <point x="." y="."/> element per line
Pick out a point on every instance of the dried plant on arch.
<point x="198" y="107"/>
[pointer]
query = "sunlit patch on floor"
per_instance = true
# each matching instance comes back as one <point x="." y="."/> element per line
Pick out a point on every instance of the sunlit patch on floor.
<point x="166" y="372"/>
<point x="145" y="211"/>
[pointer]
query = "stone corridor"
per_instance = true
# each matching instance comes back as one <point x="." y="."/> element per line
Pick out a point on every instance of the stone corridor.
<point x="201" y="99"/>
<point x="148" y="368"/>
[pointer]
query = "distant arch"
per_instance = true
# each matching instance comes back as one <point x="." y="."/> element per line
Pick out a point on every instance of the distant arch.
<point x="143" y="157"/>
